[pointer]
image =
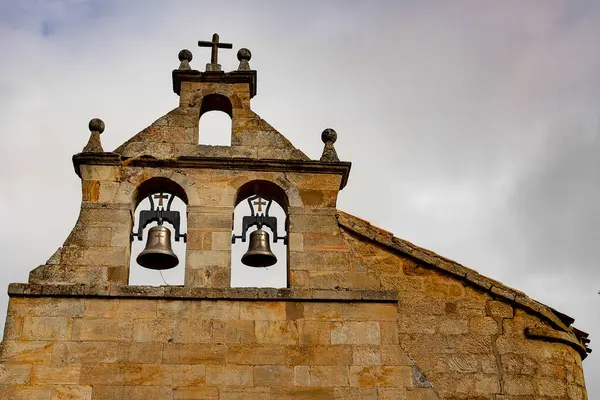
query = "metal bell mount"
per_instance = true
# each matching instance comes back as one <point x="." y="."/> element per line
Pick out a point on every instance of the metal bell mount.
<point x="259" y="252"/>
<point x="158" y="253"/>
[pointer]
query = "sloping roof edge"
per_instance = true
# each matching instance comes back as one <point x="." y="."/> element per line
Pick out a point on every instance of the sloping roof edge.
<point x="471" y="277"/>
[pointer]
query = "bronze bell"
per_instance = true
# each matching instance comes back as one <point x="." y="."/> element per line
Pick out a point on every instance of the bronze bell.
<point x="259" y="252"/>
<point x="158" y="253"/>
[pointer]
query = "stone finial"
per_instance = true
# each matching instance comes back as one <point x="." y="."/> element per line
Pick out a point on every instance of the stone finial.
<point x="185" y="56"/>
<point x="244" y="55"/>
<point x="93" y="145"/>
<point x="329" y="136"/>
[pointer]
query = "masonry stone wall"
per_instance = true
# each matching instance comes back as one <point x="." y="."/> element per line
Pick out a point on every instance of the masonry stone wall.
<point x="115" y="348"/>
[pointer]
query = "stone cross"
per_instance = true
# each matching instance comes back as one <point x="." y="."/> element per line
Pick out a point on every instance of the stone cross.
<point x="214" y="45"/>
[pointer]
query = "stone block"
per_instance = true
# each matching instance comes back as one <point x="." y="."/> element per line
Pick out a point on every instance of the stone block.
<point x="102" y="329"/>
<point x="44" y="374"/>
<point x="366" y="355"/>
<point x="233" y="332"/>
<point x="519" y="386"/>
<point x="13" y="328"/>
<point x="26" y="352"/>
<point x="263" y="311"/>
<point x="369" y="311"/>
<point x="47" y="328"/>
<point x="296" y="242"/>
<point x="338" y="261"/>
<point x="219" y="309"/>
<point x="255" y="355"/>
<point x="173" y="309"/>
<point x="314" y="332"/>
<point x="421" y="394"/>
<point x="95" y="256"/>
<point x="389" y="332"/>
<point x="276" y="332"/>
<point x="71" y="392"/>
<point x="354" y="332"/>
<point x="196" y="259"/>
<point x="353" y="393"/>
<point x="213" y="222"/>
<point x="483" y="325"/>
<point x="101" y="392"/>
<point x="381" y="376"/>
<point x="195" y="393"/>
<point x="499" y="309"/>
<point x="303" y="223"/>
<point x="453" y="326"/>
<point x="273" y="375"/>
<point x="194" y="353"/>
<point x="207" y="277"/>
<point x="551" y="387"/>
<point x="302" y="393"/>
<point x="97" y="308"/>
<point x="17" y="392"/>
<point x="84" y="352"/>
<point x="254" y="393"/>
<point x="323" y="311"/>
<point x="394" y="355"/>
<point x="16" y="374"/>
<point x="329" y="375"/>
<point x="141" y="308"/>
<point x="110" y="374"/>
<point x="229" y="375"/>
<point x="84" y="235"/>
<point x="105" y="217"/>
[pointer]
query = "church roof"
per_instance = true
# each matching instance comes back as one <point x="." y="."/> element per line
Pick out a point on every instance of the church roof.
<point x="566" y="333"/>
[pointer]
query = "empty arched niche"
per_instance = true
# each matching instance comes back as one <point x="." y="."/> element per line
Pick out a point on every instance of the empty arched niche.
<point x="214" y="128"/>
<point x="264" y="204"/>
<point x="160" y="201"/>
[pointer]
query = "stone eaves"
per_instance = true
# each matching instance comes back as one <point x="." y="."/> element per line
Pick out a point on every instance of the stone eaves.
<point x="569" y="335"/>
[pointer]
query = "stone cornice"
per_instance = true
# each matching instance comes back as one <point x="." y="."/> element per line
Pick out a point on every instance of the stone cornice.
<point x="551" y="335"/>
<point x="248" y="77"/>
<point x="183" y="293"/>
<point x="250" y="164"/>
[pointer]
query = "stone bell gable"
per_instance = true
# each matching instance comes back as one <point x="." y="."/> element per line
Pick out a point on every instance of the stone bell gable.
<point x="363" y="314"/>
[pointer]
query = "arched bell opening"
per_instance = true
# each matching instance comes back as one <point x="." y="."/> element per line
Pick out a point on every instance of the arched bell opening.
<point x="158" y="238"/>
<point x="260" y="235"/>
<point x="214" y="127"/>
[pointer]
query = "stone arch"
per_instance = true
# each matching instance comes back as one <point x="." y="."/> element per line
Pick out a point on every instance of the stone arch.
<point x="220" y="127"/>
<point x="140" y="182"/>
<point x="265" y="188"/>
<point x="278" y="276"/>
<point x="288" y="192"/>
<point x="158" y="184"/>
<point x="176" y="222"/>
<point x="216" y="102"/>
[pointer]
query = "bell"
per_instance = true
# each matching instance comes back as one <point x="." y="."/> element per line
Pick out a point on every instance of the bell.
<point x="158" y="253"/>
<point x="259" y="252"/>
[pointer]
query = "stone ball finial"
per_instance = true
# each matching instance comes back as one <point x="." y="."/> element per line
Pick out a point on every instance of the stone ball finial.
<point x="96" y="125"/>
<point x="244" y="54"/>
<point x="185" y="54"/>
<point x="329" y="136"/>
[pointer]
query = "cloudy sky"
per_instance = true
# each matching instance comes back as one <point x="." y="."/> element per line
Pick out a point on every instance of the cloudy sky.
<point x="473" y="126"/>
